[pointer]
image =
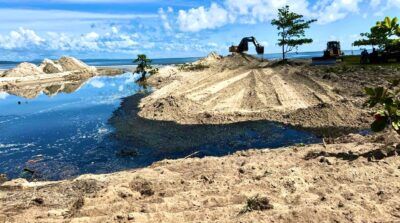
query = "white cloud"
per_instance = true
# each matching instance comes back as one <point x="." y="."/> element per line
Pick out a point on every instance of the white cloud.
<point x="262" y="10"/>
<point x="253" y="11"/>
<point x="375" y="3"/>
<point x="25" y="39"/>
<point x="28" y="15"/>
<point x="393" y="3"/>
<point x="201" y="18"/>
<point x="103" y="1"/>
<point x="164" y="18"/>
<point x="21" y="38"/>
<point x="383" y="6"/>
<point x="92" y="36"/>
<point x="333" y="10"/>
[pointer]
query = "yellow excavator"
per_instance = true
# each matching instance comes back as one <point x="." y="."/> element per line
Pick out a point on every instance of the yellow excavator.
<point x="244" y="46"/>
<point x="332" y="54"/>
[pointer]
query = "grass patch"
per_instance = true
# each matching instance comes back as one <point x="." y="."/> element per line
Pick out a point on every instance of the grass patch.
<point x="193" y="67"/>
<point x="355" y="60"/>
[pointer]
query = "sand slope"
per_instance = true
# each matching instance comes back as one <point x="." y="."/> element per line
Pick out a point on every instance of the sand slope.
<point x="301" y="183"/>
<point x="238" y="87"/>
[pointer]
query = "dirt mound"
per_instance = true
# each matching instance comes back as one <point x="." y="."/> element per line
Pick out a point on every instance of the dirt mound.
<point x="63" y="65"/>
<point x="22" y="70"/>
<point x="349" y="182"/>
<point x="51" y="67"/>
<point x="212" y="58"/>
<point x="241" y="87"/>
<point x="73" y="64"/>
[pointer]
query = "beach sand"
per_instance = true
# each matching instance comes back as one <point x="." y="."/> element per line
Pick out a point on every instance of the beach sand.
<point x="343" y="182"/>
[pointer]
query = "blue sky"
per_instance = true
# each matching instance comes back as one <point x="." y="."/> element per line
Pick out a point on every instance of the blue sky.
<point x="34" y="29"/>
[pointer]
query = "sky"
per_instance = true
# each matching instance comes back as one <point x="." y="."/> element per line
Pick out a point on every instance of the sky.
<point x="121" y="29"/>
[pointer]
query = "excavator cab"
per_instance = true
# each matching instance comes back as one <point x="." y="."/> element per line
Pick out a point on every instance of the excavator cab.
<point x="244" y="46"/>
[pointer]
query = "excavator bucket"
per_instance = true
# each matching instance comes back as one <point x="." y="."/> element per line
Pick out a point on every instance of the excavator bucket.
<point x="233" y="49"/>
<point x="260" y="49"/>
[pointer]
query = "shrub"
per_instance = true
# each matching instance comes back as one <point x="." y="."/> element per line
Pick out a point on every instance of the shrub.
<point x="388" y="100"/>
<point x="257" y="203"/>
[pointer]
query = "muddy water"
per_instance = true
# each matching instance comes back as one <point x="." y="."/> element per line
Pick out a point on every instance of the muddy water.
<point x="61" y="130"/>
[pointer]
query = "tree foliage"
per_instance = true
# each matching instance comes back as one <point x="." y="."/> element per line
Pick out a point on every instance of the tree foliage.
<point x="388" y="99"/>
<point x="382" y="35"/>
<point x="291" y="28"/>
<point x="144" y="66"/>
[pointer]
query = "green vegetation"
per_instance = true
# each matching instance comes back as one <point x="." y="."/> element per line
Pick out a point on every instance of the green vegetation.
<point x="388" y="100"/>
<point x="383" y="34"/>
<point x="192" y="67"/>
<point x="355" y="61"/>
<point x="144" y="67"/>
<point x="291" y="28"/>
<point x="256" y="203"/>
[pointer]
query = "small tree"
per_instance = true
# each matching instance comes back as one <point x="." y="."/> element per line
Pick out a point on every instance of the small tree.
<point x="291" y="28"/>
<point x="144" y="66"/>
<point x="382" y="35"/>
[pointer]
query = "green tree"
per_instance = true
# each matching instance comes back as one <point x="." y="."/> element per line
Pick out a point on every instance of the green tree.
<point x="291" y="28"/>
<point x="144" y="66"/>
<point x="382" y="35"/>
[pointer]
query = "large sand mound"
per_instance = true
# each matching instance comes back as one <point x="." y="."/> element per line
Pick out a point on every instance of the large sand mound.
<point x="239" y="87"/>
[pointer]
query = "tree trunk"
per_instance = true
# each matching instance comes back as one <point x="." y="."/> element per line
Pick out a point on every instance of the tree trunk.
<point x="283" y="53"/>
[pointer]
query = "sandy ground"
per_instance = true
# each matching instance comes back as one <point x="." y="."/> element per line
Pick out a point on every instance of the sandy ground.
<point x="342" y="182"/>
<point x="241" y="88"/>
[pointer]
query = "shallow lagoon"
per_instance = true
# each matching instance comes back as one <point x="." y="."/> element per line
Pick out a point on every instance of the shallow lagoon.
<point x="65" y="130"/>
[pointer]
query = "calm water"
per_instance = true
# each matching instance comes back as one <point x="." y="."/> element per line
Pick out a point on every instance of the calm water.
<point x="67" y="129"/>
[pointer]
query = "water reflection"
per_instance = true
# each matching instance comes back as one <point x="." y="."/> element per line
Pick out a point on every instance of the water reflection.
<point x="33" y="90"/>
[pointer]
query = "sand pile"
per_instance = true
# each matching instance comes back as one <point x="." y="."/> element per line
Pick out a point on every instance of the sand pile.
<point x="63" y="65"/>
<point x="50" y="66"/>
<point x="345" y="182"/>
<point x="22" y="70"/>
<point x="73" y="64"/>
<point x="210" y="59"/>
<point x="241" y="87"/>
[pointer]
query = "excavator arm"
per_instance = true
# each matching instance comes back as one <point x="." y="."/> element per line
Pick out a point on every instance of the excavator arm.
<point x="244" y="46"/>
